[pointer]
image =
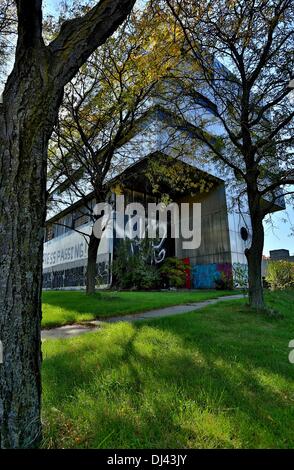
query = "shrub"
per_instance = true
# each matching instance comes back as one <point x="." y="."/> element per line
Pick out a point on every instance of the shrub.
<point x="280" y="275"/>
<point x="224" y="282"/>
<point x="132" y="268"/>
<point x="173" y="272"/>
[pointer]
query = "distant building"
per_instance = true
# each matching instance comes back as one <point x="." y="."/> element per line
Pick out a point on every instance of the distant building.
<point x="276" y="255"/>
<point x="281" y="254"/>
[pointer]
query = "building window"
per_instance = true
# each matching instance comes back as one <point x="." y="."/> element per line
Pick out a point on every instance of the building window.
<point x="82" y="219"/>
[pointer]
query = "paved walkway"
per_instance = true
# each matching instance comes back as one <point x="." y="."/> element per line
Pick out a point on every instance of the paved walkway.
<point x="68" y="331"/>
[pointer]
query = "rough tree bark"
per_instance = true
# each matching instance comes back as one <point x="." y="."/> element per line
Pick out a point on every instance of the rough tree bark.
<point x="254" y="253"/>
<point x="31" y="100"/>
<point x="92" y="264"/>
<point x="94" y="243"/>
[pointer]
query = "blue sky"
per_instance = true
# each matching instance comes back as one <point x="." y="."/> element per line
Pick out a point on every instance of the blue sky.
<point x="279" y="235"/>
<point x="276" y="235"/>
<point x="51" y="6"/>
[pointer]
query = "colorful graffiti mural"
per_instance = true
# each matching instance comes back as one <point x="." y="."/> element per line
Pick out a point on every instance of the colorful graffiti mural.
<point x="205" y="276"/>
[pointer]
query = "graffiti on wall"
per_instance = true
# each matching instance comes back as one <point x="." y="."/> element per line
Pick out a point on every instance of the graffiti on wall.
<point x="205" y="276"/>
<point x="240" y="275"/>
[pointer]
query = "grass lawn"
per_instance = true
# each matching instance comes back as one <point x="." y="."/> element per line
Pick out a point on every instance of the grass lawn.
<point x="216" y="378"/>
<point x="66" y="307"/>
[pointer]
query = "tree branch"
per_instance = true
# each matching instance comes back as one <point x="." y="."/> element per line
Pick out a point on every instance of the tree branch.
<point x="29" y="13"/>
<point x="78" y="38"/>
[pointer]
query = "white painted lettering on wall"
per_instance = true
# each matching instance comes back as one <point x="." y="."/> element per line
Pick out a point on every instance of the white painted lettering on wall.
<point x="71" y="247"/>
<point x="64" y="255"/>
<point x="62" y="250"/>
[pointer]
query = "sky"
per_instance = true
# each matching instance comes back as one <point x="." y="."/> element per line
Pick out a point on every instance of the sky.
<point x="279" y="236"/>
<point x="51" y="6"/>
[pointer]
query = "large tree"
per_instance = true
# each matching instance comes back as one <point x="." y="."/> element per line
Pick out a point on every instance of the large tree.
<point x="31" y="99"/>
<point x="244" y="55"/>
<point x="104" y="107"/>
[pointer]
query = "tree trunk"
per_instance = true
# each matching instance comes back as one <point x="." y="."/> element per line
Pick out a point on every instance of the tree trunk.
<point x="22" y="216"/>
<point x="254" y="259"/>
<point x="27" y="117"/>
<point x="31" y="101"/>
<point x="22" y="208"/>
<point x="92" y="264"/>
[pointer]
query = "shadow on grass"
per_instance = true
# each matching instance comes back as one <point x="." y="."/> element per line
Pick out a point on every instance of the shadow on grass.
<point x="211" y="379"/>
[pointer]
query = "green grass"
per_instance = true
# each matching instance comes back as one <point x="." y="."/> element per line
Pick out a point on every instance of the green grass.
<point x="216" y="378"/>
<point x="67" y="307"/>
